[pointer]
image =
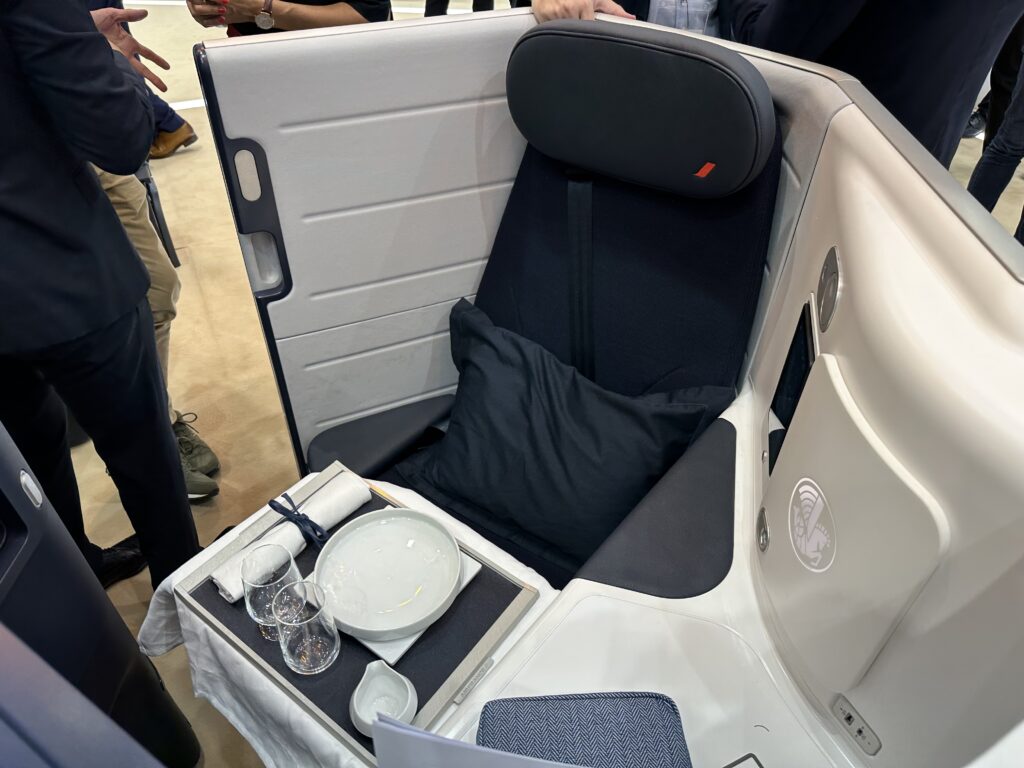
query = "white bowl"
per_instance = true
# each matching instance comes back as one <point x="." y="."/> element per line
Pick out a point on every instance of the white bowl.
<point x="382" y="691"/>
<point x="389" y="574"/>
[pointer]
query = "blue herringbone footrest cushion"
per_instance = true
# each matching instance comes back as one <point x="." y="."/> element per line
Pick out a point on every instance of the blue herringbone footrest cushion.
<point x="597" y="730"/>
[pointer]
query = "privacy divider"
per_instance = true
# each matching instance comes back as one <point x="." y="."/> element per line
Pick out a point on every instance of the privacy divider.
<point x="367" y="170"/>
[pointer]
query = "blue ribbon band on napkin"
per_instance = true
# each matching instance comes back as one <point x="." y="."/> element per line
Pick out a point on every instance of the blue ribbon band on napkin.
<point x="312" y="532"/>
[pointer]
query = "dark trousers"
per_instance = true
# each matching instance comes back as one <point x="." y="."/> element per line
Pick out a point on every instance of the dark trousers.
<point x="440" y="7"/>
<point x="1004" y="149"/>
<point x="1004" y="79"/>
<point x="111" y="381"/>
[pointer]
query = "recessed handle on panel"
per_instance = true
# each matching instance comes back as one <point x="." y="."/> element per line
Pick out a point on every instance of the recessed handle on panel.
<point x="262" y="261"/>
<point x="251" y="194"/>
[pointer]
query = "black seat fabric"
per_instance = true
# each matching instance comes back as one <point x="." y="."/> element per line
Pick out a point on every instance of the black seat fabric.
<point x="635" y="237"/>
<point x="634" y="241"/>
<point x="672" y="282"/>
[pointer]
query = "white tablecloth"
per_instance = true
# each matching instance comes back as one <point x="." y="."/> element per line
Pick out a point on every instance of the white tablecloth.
<point x="281" y="732"/>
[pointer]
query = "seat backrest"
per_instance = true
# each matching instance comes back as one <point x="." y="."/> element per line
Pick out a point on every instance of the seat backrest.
<point x="633" y="245"/>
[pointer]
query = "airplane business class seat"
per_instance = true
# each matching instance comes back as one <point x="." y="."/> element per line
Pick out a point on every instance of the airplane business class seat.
<point x="634" y="241"/>
<point x="809" y="332"/>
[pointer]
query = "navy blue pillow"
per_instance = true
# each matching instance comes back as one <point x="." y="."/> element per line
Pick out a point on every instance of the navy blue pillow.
<point x="533" y="446"/>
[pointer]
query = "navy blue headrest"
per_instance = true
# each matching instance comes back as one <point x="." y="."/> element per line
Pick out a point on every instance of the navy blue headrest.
<point x="645" y="106"/>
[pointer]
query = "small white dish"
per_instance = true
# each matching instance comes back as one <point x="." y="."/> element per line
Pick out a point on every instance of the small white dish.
<point x="389" y="574"/>
<point x="382" y="691"/>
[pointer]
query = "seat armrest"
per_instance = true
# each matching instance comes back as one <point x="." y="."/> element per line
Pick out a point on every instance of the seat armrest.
<point x="373" y="444"/>
<point x="678" y="541"/>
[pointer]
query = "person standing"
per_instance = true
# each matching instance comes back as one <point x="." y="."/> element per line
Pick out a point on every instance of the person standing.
<point x="1005" y="78"/>
<point x="128" y="196"/>
<point x="700" y="16"/>
<point x="76" y="322"/>
<point x="1003" y="153"/>
<point x="925" y="61"/>
<point x="172" y="131"/>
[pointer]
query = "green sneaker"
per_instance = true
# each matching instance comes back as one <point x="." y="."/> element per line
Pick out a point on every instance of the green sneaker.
<point x="200" y="487"/>
<point x="192" y="447"/>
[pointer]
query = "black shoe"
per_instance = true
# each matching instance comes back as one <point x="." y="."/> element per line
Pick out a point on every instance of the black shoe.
<point x="975" y="126"/>
<point x="120" y="562"/>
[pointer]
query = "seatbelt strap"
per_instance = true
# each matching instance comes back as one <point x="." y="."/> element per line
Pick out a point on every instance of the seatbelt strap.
<point x="581" y="249"/>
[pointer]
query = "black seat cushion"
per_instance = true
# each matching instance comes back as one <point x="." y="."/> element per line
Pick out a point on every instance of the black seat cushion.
<point x="533" y="445"/>
<point x="371" y="445"/>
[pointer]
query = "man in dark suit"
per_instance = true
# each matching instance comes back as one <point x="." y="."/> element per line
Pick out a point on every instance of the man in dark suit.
<point x="75" y="318"/>
<point x="1005" y="74"/>
<point x="926" y="61"/>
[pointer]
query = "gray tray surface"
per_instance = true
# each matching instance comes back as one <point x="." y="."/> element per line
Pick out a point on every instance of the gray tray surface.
<point x="429" y="662"/>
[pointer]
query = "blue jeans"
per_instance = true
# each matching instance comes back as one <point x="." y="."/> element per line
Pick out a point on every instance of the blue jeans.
<point x="1002" y="156"/>
<point x="166" y="118"/>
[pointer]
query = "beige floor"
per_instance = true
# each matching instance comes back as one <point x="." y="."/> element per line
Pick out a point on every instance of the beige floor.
<point x="219" y="365"/>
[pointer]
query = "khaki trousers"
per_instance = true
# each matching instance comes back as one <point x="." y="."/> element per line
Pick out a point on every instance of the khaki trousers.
<point x="128" y="196"/>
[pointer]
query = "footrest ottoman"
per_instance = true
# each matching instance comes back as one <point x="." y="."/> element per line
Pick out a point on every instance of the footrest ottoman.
<point x="596" y="730"/>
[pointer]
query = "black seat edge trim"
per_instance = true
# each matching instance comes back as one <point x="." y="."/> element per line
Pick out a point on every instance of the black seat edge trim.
<point x="678" y="541"/>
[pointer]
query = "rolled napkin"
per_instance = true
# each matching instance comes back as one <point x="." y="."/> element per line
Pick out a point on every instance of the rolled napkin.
<point x="328" y="506"/>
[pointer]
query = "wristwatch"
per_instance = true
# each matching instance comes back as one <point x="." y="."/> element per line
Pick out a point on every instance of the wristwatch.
<point x="265" y="18"/>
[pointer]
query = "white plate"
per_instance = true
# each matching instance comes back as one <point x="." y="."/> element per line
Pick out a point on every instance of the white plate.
<point x="389" y="574"/>
<point x="392" y="651"/>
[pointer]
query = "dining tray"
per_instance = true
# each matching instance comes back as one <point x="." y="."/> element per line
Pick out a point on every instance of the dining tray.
<point x="444" y="664"/>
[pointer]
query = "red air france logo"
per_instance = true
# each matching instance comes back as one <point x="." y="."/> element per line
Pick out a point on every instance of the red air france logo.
<point x="705" y="171"/>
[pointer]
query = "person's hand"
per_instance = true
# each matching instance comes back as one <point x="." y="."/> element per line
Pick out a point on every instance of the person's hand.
<point x="110" y="21"/>
<point x="234" y="17"/>
<point x="209" y="13"/>
<point x="248" y="8"/>
<point x="548" y="10"/>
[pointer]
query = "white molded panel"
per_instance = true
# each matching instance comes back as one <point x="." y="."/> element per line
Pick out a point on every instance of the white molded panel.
<point x="854" y="537"/>
<point x="391" y="154"/>
<point x="366" y="367"/>
<point x="929" y="335"/>
<point x="390" y="149"/>
<point x="729" y="704"/>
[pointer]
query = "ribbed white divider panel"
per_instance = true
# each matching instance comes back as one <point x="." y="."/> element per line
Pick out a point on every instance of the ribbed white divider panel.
<point x="391" y="154"/>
